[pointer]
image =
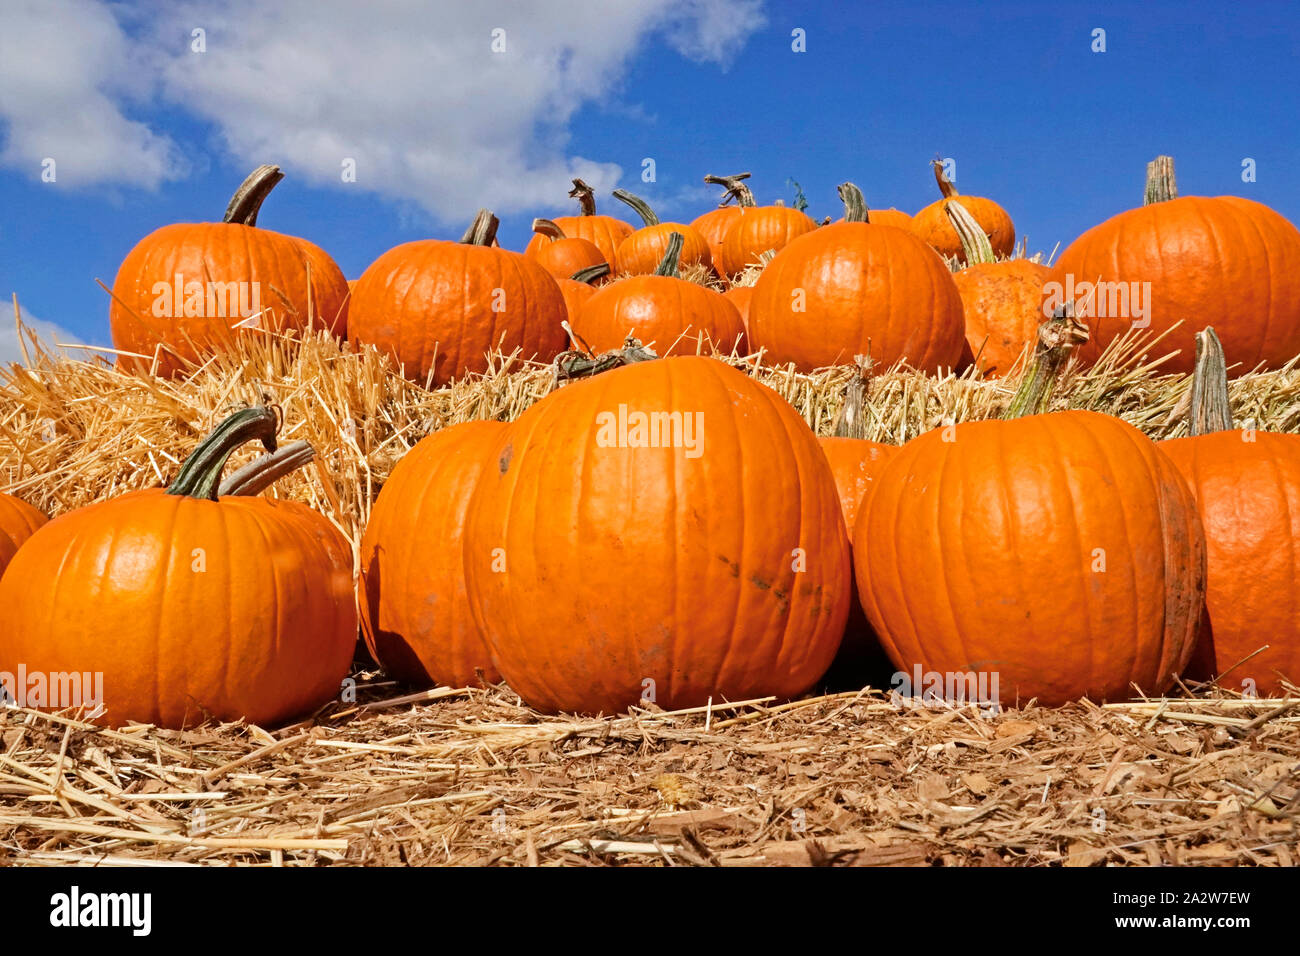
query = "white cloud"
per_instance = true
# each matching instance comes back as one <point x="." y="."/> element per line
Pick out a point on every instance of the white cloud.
<point x="64" y="67"/>
<point x="49" y="333"/>
<point x="411" y="90"/>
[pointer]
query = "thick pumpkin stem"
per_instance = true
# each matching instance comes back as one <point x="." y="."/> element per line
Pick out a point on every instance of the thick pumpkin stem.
<point x="586" y="197"/>
<point x="853" y="420"/>
<point x="1161" y="183"/>
<point x="483" y="230"/>
<point x="263" y="472"/>
<point x="591" y="273"/>
<point x="200" y="475"/>
<point x="945" y="184"/>
<point x="1210" y="411"/>
<point x="672" y="256"/>
<point x="252" y="192"/>
<point x="575" y="364"/>
<point x="1056" y="337"/>
<point x="547" y="228"/>
<point x="736" y="189"/>
<point x="975" y="245"/>
<point x="855" y="204"/>
<point x="640" y="205"/>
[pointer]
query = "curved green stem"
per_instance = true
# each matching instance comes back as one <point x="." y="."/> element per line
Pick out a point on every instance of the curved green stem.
<point x="546" y="227"/>
<point x="1161" y="183"/>
<point x="855" y="204"/>
<point x="263" y="472"/>
<point x="975" y="245"/>
<point x="591" y="273"/>
<point x="483" y="230"/>
<point x="736" y="189"/>
<point x="640" y="205"/>
<point x="672" y="256"/>
<point x="945" y="184"/>
<point x="252" y="192"/>
<point x="1056" y="337"/>
<point x="200" y="475"/>
<point x="1210" y="411"/>
<point x="586" y="197"/>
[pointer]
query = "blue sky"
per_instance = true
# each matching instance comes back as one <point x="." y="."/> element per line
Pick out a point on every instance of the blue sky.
<point x="145" y="131"/>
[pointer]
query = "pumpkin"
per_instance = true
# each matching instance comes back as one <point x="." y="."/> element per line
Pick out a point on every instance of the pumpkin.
<point x="1002" y="301"/>
<point x="1051" y="556"/>
<point x="855" y="462"/>
<point x="562" y="257"/>
<point x="18" y="521"/>
<point x="716" y="223"/>
<point x="414" y="611"/>
<point x="1227" y="262"/>
<point x="853" y="288"/>
<point x="579" y="288"/>
<point x="188" y="289"/>
<point x="741" y="296"/>
<point x="641" y="252"/>
<point x="605" y="232"/>
<point x="440" y="307"/>
<point x="756" y="230"/>
<point x="1247" y="487"/>
<point x="189" y="605"/>
<point x="669" y="529"/>
<point x="934" y="227"/>
<point x="673" y="314"/>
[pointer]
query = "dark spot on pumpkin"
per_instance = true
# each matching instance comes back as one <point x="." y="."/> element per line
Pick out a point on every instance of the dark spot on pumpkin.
<point x="758" y="582"/>
<point x="731" y="565"/>
<point x="504" y="462"/>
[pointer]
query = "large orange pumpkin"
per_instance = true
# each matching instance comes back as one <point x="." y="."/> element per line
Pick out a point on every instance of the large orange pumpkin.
<point x="642" y="251"/>
<point x="414" y="612"/>
<point x="18" y="522"/>
<point x="716" y="223"/>
<point x="1060" y="552"/>
<point x="186" y="290"/>
<point x="188" y="605"/>
<point x="1227" y="262"/>
<point x="855" y="463"/>
<point x="666" y="530"/>
<point x="854" y="288"/>
<point x="1247" y="487"/>
<point x="933" y="225"/>
<point x="440" y="307"/>
<point x="563" y="256"/>
<point x="661" y="310"/>
<point x="756" y="230"/>
<point x="605" y="232"/>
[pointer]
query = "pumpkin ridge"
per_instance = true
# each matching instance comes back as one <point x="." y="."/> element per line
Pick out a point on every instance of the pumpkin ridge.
<point x="1273" y="275"/>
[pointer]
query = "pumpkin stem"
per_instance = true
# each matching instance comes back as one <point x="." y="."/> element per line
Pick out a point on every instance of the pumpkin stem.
<point x="945" y="184"/>
<point x="483" y="230"/>
<point x="252" y="192"/>
<point x="574" y="364"/>
<point x="975" y="245"/>
<point x="1161" y="183"/>
<point x="668" y="264"/>
<point x="853" y="422"/>
<point x="591" y="273"/>
<point x="1056" y="337"/>
<point x="546" y="227"/>
<point x="736" y="189"/>
<point x="640" y="205"/>
<point x="200" y="475"/>
<point x="1210" y="411"/>
<point x="261" y="473"/>
<point x="855" y="204"/>
<point x="586" y="197"/>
